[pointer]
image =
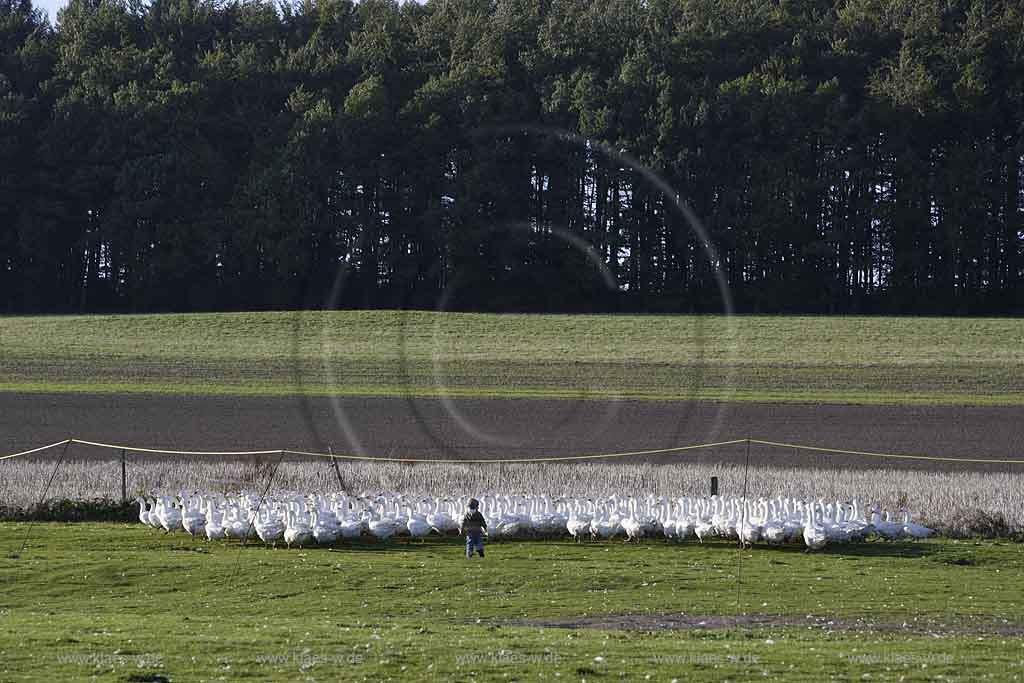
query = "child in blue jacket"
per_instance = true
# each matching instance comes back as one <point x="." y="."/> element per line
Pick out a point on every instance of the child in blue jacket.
<point x="473" y="525"/>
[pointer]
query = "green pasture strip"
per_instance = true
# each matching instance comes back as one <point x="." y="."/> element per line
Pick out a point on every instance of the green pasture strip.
<point x="392" y="353"/>
<point x="280" y="390"/>
<point x="124" y="601"/>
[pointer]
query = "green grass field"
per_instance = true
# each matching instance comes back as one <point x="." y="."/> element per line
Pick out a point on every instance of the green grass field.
<point x="813" y="359"/>
<point x="127" y="603"/>
<point x="118" y="602"/>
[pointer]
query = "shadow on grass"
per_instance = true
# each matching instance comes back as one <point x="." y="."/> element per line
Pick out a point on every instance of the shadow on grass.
<point x="865" y="549"/>
<point x="360" y="545"/>
<point x="868" y="549"/>
<point x="883" y="549"/>
<point x="862" y="549"/>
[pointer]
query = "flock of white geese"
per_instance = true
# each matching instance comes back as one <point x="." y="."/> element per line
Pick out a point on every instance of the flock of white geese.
<point x="314" y="519"/>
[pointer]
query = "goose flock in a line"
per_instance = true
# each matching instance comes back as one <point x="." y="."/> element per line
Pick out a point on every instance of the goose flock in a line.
<point x="313" y="519"/>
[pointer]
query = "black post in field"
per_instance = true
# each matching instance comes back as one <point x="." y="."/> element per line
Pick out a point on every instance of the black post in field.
<point x="124" y="478"/>
<point x="337" y="471"/>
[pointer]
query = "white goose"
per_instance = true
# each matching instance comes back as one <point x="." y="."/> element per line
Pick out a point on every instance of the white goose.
<point x="749" y="533"/>
<point x="168" y="514"/>
<point x="214" y="522"/>
<point x="269" y="525"/>
<point x="417" y="525"/>
<point x="511" y="522"/>
<point x="193" y="519"/>
<point x="604" y="526"/>
<point x="687" y="520"/>
<point x="668" y="521"/>
<point x="631" y="525"/>
<point x="886" y="528"/>
<point x="145" y="512"/>
<point x="915" y="531"/>
<point x="704" y="528"/>
<point x="297" y="531"/>
<point x="650" y="523"/>
<point x="815" y="537"/>
<point x="382" y="528"/>
<point x="440" y="520"/>
<point x="774" y="529"/>
<point x="328" y="517"/>
<point x="234" y="525"/>
<point x="351" y="526"/>
<point x="578" y="524"/>
<point x="325" y="527"/>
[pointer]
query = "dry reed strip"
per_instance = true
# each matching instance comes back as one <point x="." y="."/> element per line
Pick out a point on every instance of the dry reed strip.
<point x="938" y="497"/>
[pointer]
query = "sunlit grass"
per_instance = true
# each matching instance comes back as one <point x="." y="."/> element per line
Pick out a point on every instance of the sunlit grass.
<point x="393" y="353"/>
<point x="124" y="602"/>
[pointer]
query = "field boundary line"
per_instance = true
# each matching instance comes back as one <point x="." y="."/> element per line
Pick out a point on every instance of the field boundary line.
<point x="162" y="451"/>
<point x="495" y="461"/>
<point x="896" y="456"/>
<point x="36" y="450"/>
<point x="343" y="456"/>
<point x="506" y="461"/>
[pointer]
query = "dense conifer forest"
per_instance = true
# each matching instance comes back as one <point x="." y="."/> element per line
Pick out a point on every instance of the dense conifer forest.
<point x="513" y="155"/>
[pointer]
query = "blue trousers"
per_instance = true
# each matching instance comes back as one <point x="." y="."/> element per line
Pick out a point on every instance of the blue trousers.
<point x="474" y="541"/>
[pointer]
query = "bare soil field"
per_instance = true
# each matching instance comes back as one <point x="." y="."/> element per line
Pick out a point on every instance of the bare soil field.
<point x="509" y="428"/>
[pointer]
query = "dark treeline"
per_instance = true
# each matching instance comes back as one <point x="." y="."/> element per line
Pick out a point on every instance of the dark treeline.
<point x="847" y="156"/>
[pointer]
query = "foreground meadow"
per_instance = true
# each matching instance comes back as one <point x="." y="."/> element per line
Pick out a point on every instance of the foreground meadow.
<point x="399" y="353"/>
<point x="126" y="603"/>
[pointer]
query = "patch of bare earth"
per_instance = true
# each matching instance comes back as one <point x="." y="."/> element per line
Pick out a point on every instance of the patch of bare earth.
<point x="492" y="428"/>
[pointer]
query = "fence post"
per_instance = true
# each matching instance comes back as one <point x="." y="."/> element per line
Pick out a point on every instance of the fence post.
<point x="334" y="461"/>
<point x="714" y="486"/>
<point x="124" y="478"/>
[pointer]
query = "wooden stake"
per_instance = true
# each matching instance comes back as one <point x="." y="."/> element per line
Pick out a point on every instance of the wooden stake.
<point x="337" y="471"/>
<point x="124" y="478"/>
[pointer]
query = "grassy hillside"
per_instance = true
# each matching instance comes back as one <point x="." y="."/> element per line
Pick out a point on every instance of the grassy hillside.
<point x="821" y="359"/>
<point x="134" y="604"/>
